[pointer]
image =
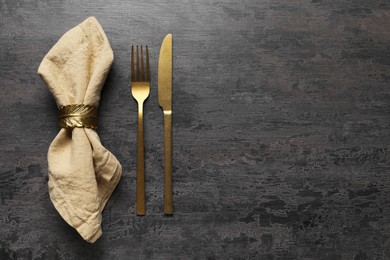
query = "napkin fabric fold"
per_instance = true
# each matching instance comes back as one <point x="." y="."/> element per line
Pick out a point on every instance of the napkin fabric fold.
<point x="82" y="173"/>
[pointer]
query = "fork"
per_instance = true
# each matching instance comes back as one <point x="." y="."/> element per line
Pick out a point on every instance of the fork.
<point x="140" y="88"/>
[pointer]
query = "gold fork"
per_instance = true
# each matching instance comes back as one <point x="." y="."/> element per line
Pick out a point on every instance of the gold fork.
<point x="140" y="88"/>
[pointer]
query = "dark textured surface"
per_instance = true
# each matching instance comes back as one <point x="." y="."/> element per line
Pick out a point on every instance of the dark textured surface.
<point x="281" y="130"/>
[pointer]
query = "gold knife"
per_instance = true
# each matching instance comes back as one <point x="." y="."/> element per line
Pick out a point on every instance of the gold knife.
<point x="165" y="102"/>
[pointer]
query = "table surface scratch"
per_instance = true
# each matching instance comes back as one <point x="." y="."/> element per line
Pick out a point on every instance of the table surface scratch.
<point x="281" y="130"/>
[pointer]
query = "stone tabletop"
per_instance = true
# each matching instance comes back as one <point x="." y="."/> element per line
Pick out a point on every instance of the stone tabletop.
<point x="281" y="130"/>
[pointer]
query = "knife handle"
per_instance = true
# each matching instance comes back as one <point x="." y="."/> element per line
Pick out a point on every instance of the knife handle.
<point x="168" y="202"/>
<point x="140" y="188"/>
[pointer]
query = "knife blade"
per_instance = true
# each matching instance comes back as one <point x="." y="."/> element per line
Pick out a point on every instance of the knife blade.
<point x="165" y="102"/>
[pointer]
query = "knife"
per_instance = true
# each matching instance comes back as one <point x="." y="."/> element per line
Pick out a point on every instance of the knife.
<point x="165" y="102"/>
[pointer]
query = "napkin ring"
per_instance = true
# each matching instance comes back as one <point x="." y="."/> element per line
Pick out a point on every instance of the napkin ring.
<point x="77" y="115"/>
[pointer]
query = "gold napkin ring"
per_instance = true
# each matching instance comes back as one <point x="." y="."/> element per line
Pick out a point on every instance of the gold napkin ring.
<point x="77" y="115"/>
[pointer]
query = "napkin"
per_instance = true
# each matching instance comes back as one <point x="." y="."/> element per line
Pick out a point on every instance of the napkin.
<point x="82" y="173"/>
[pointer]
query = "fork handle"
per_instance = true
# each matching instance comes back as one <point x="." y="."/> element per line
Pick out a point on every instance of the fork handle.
<point x="168" y="204"/>
<point x="140" y="189"/>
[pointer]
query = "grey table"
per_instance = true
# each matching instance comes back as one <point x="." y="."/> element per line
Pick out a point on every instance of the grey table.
<point x="281" y="130"/>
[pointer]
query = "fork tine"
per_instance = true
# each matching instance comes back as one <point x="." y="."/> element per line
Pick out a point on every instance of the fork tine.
<point x="132" y="64"/>
<point x="142" y="65"/>
<point x="140" y="68"/>
<point x="137" y="73"/>
<point x="147" y="64"/>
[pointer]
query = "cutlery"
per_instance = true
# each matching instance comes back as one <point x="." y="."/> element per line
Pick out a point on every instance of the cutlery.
<point x="140" y="88"/>
<point x="165" y="102"/>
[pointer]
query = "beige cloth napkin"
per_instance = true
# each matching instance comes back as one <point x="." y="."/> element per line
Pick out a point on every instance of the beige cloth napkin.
<point x="82" y="173"/>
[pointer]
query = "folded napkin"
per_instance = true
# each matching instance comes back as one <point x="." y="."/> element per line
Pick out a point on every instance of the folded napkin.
<point x="82" y="173"/>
